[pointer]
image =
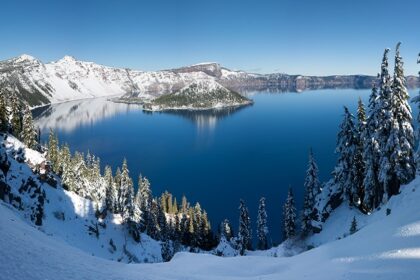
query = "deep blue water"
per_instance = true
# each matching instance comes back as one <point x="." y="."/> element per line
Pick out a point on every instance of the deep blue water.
<point x="215" y="158"/>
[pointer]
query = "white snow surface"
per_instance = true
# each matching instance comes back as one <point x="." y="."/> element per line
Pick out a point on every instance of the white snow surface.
<point x="385" y="247"/>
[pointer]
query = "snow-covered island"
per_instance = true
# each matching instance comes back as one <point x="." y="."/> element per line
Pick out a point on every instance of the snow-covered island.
<point x="201" y="95"/>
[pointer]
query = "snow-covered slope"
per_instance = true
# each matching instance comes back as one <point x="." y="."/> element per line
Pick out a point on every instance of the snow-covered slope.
<point x="70" y="79"/>
<point x="388" y="247"/>
<point x="64" y="216"/>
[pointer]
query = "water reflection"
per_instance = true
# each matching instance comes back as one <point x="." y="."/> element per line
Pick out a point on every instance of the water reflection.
<point x="205" y="120"/>
<point x="70" y="115"/>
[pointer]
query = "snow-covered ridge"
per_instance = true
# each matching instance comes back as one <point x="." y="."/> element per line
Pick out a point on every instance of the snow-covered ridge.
<point x="70" y="79"/>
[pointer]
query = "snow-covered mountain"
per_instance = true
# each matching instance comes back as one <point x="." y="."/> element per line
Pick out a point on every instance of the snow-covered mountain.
<point x="69" y="79"/>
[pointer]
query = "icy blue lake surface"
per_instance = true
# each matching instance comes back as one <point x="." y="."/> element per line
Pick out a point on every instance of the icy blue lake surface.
<point x="214" y="157"/>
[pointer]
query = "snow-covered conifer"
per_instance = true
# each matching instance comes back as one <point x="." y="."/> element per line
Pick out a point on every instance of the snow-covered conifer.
<point x="111" y="192"/>
<point x="417" y="100"/>
<point x="126" y="192"/>
<point x="4" y="113"/>
<point x="383" y="133"/>
<point x="400" y="145"/>
<point x="312" y="188"/>
<point x="53" y="151"/>
<point x="225" y="229"/>
<point x="162" y="222"/>
<point x="345" y="172"/>
<point x="262" y="228"/>
<point x="28" y="134"/>
<point x="16" y="115"/>
<point x="244" y="232"/>
<point x="372" y="192"/>
<point x="359" y="164"/>
<point x="289" y="216"/>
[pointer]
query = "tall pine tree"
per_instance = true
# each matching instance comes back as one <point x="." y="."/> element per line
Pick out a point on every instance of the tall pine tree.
<point x="345" y="172"/>
<point x="372" y="192"/>
<point x="16" y="116"/>
<point x="126" y="192"/>
<point x="4" y="113"/>
<point x="244" y="232"/>
<point x="262" y="228"/>
<point x="225" y="230"/>
<point x="383" y="133"/>
<point x="28" y="135"/>
<point x="53" y="151"/>
<point x="289" y="216"/>
<point x="417" y="100"/>
<point x="358" y="188"/>
<point x="111" y="192"/>
<point x="400" y="145"/>
<point x="312" y="188"/>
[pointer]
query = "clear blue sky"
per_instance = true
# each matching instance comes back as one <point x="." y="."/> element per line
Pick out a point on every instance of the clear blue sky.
<point x="296" y="37"/>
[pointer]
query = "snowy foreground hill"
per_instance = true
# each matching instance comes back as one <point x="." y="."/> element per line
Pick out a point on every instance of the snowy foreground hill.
<point x="65" y="246"/>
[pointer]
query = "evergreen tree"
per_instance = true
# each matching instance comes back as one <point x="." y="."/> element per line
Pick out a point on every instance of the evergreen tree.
<point x="262" y="229"/>
<point x="146" y="200"/>
<point x="184" y="229"/>
<point x="244" y="232"/>
<point x="28" y="134"/>
<point x="225" y="230"/>
<point x="126" y="192"/>
<point x="111" y="192"/>
<point x="345" y="173"/>
<point x="162" y="222"/>
<point x="417" y="100"/>
<point x="16" y="116"/>
<point x="184" y="204"/>
<point x="312" y="188"/>
<point x="372" y="192"/>
<point x="196" y="224"/>
<point x="4" y="113"/>
<point x="353" y="226"/>
<point x="175" y="206"/>
<point x="167" y="250"/>
<point x="399" y="147"/>
<point x="69" y="176"/>
<point x="117" y="183"/>
<point x="289" y="216"/>
<point x="53" y="151"/>
<point x="383" y="133"/>
<point x="359" y="164"/>
<point x="64" y="159"/>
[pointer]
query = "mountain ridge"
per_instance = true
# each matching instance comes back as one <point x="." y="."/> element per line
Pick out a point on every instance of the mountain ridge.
<point x="68" y="79"/>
